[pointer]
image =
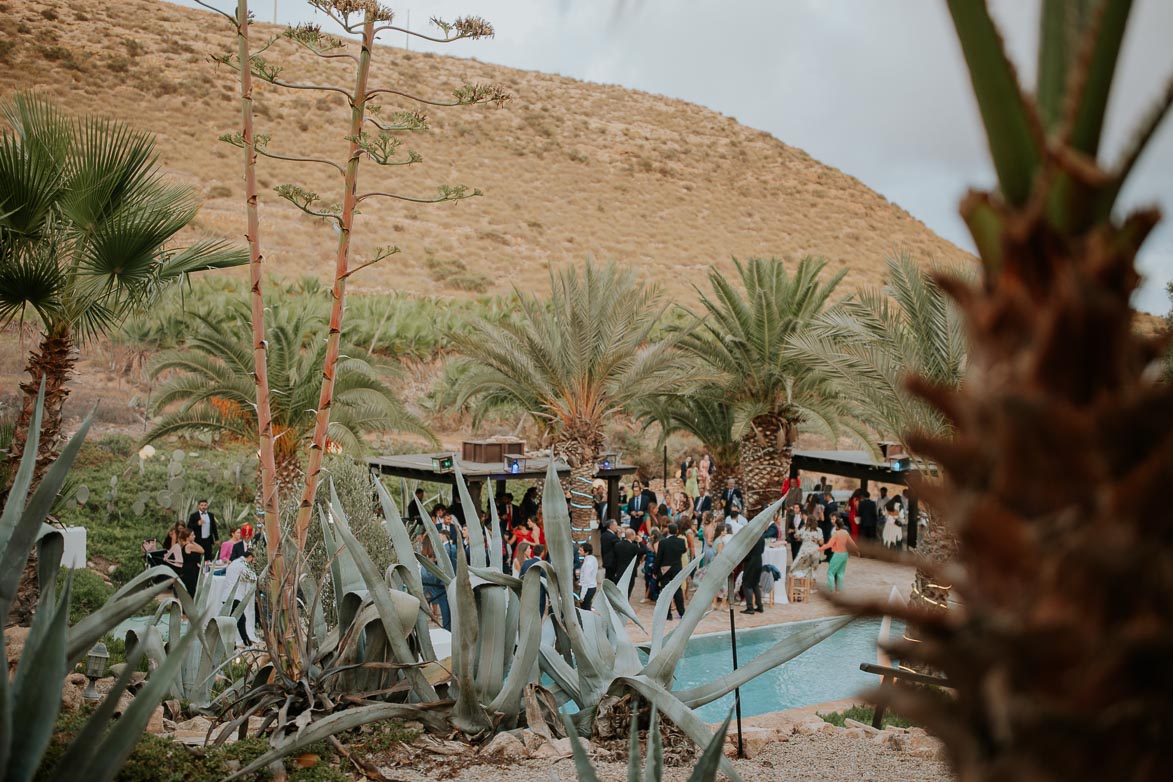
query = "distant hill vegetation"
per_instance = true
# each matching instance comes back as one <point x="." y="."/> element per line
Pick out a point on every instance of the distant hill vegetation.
<point x="568" y="169"/>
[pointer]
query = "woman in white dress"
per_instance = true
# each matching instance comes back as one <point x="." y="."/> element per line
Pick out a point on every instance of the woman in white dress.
<point x="893" y="527"/>
<point x="809" y="556"/>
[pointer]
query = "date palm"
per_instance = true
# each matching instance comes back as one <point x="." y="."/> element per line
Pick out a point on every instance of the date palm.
<point x="871" y="343"/>
<point x="707" y="418"/>
<point x="86" y="222"/>
<point x="209" y="387"/>
<point x="741" y="337"/>
<point x="570" y="361"/>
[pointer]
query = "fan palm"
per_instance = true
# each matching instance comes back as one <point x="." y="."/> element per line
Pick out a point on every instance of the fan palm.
<point x="85" y="222"/>
<point x="210" y="388"/>
<point x="870" y="343"/>
<point x="742" y="338"/>
<point x="570" y="361"/>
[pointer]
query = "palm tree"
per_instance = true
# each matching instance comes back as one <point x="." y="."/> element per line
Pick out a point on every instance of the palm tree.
<point x="872" y="342"/>
<point x="707" y="418"/>
<point x="86" y="219"/>
<point x="742" y="338"/>
<point x="210" y="387"/>
<point x="570" y="361"/>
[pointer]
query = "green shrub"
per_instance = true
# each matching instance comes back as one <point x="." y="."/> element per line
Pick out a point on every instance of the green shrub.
<point x="90" y="591"/>
<point x="865" y="714"/>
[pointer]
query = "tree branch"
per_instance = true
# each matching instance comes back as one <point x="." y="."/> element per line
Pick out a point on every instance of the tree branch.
<point x="447" y="193"/>
<point x="214" y="9"/>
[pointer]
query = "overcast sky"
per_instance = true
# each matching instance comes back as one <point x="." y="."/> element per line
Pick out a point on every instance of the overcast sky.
<point x="875" y="88"/>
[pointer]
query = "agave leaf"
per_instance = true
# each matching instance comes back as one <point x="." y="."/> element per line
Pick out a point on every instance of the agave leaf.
<point x="36" y="687"/>
<point x="497" y="577"/>
<point x="1014" y="147"/>
<point x="681" y="716"/>
<point x="529" y="641"/>
<point x="50" y="550"/>
<point x="336" y="723"/>
<point x="662" y="665"/>
<point x="627" y="662"/>
<point x="405" y="553"/>
<point x="563" y="675"/>
<point x="654" y="763"/>
<point x="561" y="550"/>
<point x="75" y="763"/>
<point x="664" y="603"/>
<point x="400" y="539"/>
<point x="433" y="534"/>
<point x="788" y="648"/>
<point x="6" y="721"/>
<point x="472" y="521"/>
<point x="102" y="621"/>
<point x="468" y="715"/>
<point x="434" y="568"/>
<point x="632" y="742"/>
<point x="20" y="523"/>
<point x="710" y="763"/>
<point x="584" y="771"/>
<point x="10" y="518"/>
<point x="390" y="609"/>
<point x="494" y="643"/>
<point x="496" y="555"/>
<point x="617" y="599"/>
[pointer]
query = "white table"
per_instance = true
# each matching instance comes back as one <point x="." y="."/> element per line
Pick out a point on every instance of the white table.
<point x="777" y="556"/>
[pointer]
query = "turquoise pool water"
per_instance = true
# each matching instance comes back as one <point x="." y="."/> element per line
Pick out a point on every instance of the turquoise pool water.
<point x="825" y="672"/>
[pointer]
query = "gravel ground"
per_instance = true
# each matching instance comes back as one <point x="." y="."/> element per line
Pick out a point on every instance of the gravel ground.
<point x="814" y="758"/>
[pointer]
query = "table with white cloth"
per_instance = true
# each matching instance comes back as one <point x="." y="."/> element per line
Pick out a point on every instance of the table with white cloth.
<point x="218" y="594"/>
<point x="776" y="556"/>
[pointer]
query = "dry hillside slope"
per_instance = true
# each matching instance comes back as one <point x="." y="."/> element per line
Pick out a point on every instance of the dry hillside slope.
<point x="569" y="169"/>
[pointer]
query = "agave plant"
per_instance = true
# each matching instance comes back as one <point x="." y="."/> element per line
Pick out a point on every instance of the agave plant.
<point x="1058" y="658"/>
<point x="653" y="769"/>
<point x="201" y="661"/>
<point x="31" y="700"/>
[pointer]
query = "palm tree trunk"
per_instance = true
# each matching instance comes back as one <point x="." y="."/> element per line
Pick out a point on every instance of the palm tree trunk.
<point x="580" y="453"/>
<point x="338" y="293"/>
<point x="52" y="362"/>
<point x="764" y="457"/>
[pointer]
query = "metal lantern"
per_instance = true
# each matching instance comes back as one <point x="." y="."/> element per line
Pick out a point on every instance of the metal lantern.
<point x="95" y="669"/>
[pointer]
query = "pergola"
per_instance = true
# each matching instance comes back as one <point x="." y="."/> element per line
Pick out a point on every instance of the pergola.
<point x="477" y="475"/>
<point x="861" y="465"/>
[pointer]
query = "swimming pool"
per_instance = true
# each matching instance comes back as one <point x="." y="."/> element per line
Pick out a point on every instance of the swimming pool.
<point x="827" y="671"/>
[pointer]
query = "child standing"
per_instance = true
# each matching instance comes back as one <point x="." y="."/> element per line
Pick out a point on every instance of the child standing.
<point x="588" y="576"/>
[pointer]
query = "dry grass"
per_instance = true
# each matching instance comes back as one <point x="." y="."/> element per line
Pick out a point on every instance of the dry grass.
<point x="569" y="169"/>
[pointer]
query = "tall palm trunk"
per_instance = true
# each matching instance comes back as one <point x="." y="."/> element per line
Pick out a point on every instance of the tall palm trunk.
<point x="580" y="451"/>
<point x="338" y="293"/>
<point x="764" y="459"/>
<point x="52" y="362"/>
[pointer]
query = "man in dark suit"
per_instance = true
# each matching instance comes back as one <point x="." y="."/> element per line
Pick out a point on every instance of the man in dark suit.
<point x="731" y="497"/>
<point x="637" y="506"/>
<point x="508" y="514"/>
<point x="608" y="540"/>
<point x="413" y="506"/>
<point x="669" y="562"/>
<point x="704" y="503"/>
<point x="868" y="517"/>
<point x="628" y="548"/>
<point x="202" y="524"/>
<point x="751" y="577"/>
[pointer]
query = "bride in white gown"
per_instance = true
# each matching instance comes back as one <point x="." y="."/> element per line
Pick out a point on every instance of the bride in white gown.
<point x="808" y="558"/>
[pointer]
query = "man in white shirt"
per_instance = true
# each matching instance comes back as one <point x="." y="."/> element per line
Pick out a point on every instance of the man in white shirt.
<point x="735" y="521"/>
<point x="202" y="523"/>
<point x="239" y="576"/>
<point x="588" y="576"/>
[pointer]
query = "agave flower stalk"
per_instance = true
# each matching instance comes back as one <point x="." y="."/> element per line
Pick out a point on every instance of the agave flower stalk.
<point x="268" y="462"/>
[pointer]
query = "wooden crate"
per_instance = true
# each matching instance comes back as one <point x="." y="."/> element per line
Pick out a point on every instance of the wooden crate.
<point x="491" y="451"/>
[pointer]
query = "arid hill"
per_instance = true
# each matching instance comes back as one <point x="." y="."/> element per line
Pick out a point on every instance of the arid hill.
<point x="568" y="169"/>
